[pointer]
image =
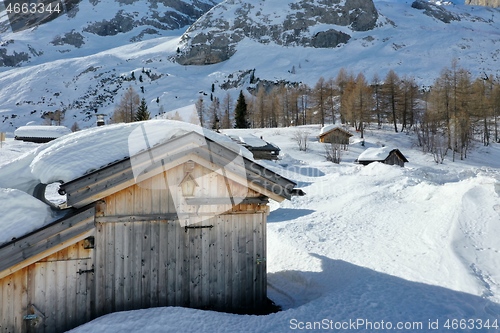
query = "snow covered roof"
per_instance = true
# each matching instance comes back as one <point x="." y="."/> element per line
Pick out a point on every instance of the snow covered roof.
<point x="75" y="155"/>
<point x="329" y="128"/>
<point x="14" y="220"/>
<point x="41" y="131"/>
<point x="78" y="153"/>
<point x="378" y="154"/>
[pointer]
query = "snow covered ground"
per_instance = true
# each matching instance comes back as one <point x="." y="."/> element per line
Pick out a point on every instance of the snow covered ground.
<point x="375" y="248"/>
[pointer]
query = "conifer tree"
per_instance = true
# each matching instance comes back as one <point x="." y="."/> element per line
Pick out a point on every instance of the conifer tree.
<point x="142" y="111"/>
<point x="240" y="112"/>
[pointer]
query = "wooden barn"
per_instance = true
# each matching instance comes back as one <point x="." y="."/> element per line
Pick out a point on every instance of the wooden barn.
<point x="384" y="155"/>
<point x="335" y="134"/>
<point x="181" y="224"/>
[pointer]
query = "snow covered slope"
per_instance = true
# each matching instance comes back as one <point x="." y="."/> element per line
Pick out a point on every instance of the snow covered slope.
<point x="367" y="246"/>
<point x="88" y="27"/>
<point x="92" y="79"/>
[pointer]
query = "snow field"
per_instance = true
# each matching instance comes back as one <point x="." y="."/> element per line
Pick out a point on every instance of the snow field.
<point x="413" y="246"/>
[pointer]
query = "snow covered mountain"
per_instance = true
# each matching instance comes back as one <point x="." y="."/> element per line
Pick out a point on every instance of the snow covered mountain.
<point x="215" y="36"/>
<point x="413" y="38"/>
<point x="86" y="26"/>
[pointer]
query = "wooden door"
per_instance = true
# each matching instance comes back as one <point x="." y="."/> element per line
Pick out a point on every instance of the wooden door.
<point x="59" y="294"/>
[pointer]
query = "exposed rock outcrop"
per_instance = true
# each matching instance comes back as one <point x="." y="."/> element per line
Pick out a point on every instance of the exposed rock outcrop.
<point x="487" y="3"/>
<point x="311" y="23"/>
<point x="435" y="11"/>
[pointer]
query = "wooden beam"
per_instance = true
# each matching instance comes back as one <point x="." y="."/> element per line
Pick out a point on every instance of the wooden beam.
<point x="137" y="218"/>
<point x="226" y="200"/>
<point x="46" y="241"/>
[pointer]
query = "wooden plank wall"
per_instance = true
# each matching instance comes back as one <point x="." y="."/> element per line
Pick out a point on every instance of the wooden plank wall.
<point x="158" y="263"/>
<point x="13" y="302"/>
<point x="52" y="289"/>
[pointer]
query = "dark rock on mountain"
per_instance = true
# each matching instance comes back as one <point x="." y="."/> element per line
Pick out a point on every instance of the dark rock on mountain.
<point x="78" y="25"/>
<point x="488" y="3"/>
<point x="213" y="38"/>
<point x="435" y="11"/>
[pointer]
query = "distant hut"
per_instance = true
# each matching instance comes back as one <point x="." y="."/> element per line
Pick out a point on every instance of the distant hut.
<point x="334" y="134"/>
<point x="126" y="244"/>
<point x="40" y="134"/>
<point x="260" y="148"/>
<point x="386" y="155"/>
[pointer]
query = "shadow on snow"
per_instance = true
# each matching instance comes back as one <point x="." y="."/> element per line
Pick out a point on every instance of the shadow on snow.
<point x="343" y="291"/>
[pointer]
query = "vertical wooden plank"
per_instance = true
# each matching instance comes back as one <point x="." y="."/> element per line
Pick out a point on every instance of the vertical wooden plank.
<point x="155" y="196"/>
<point x="145" y="264"/>
<point x="110" y="209"/>
<point x="258" y="258"/>
<point x="3" y="306"/>
<point x="172" y="256"/>
<point x="236" y="287"/>
<point x="167" y="205"/>
<point x="137" y="265"/>
<point x="109" y="231"/>
<point x="81" y="300"/>
<point x="129" y="200"/>
<point x="100" y="273"/>
<point x="263" y="228"/>
<point x="7" y="312"/>
<point x="145" y="197"/>
<point x="19" y="286"/>
<point x="220" y="267"/>
<point x="22" y="303"/>
<point x="163" y="287"/>
<point x="62" y="284"/>
<point x="255" y="265"/>
<point x="118" y="261"/>
<point x="128" y="258"/>
<point x="206" y="257"/>
<point x="50" y="306"/>
<point x="229" y="262"/>
<point x="4" y="324"/>
<point x="250" y="262"/>
<point x="185" y="278"/>
<point x="69" y="291"/>
<point x="194" y="267"/>
<point x="155" y="263"/>
<point x="210" y="265"/>
<point x="242" y="259"/>
<point x="119" y="203"/>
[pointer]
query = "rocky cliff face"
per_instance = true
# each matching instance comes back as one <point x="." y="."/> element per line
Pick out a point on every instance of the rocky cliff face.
<point x="488" y="3"/>
<point x="83" y="22"/>
<point x="311" y="23"/>
<point x="435" y="11"/>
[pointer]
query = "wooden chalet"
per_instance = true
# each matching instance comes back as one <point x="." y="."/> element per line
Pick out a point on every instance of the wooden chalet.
<point x="335" y="134"/>
<point x="169" y="235"/>
<point x="384" y="155"/>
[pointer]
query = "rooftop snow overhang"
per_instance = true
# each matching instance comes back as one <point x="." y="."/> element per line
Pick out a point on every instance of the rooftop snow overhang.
<point x="47" y="240"/>
<point x="190" y="146"/>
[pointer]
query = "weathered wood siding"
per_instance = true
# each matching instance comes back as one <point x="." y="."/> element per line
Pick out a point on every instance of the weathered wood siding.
<point x="13" y="302"/>
<point x="393" y="159"/>
<point x="157" y="263"/>
<point x="53" y="289"/>
<point x="147" y="257"/>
